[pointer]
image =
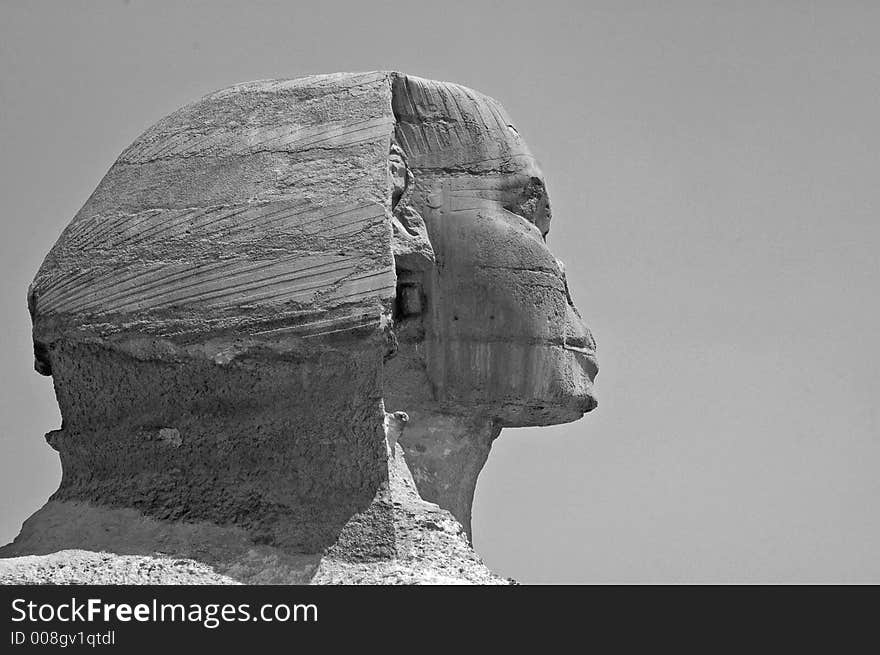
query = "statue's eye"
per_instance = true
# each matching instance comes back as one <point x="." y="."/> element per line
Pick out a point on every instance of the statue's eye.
<point x="532" y="204"/>
<point x="534" y="188"/>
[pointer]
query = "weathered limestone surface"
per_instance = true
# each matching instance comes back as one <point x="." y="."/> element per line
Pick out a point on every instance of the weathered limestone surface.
<point x="255" y="280"/>
<point x="87" y="567"/>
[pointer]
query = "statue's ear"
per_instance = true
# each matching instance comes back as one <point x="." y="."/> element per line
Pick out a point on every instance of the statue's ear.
<point x="411" y="244"/>
<point x="413" y="252"/>
<point x="413" y="257"/>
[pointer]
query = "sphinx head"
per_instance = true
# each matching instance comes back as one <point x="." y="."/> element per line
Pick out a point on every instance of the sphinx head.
<point x="263" y="272"/>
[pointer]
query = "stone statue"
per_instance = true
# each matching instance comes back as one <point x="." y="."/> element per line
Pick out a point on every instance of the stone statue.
<point x="256" y="280"/>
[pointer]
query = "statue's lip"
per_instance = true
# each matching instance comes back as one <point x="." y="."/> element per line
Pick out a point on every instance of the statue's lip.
<point x="591" y="404"/>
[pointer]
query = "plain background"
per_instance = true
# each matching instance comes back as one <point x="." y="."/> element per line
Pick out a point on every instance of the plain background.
<point x="713" y="169"/>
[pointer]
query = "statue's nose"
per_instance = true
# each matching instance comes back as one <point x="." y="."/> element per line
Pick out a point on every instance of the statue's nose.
<point x="578" y="338"/>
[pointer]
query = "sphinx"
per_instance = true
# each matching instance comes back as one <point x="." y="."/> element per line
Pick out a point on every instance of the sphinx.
<point x="289" y="323"/>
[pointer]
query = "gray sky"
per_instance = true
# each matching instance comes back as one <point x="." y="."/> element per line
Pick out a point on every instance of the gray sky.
<point x="713" y="168"/>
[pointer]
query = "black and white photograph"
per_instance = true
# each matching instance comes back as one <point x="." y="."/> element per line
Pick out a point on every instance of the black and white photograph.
<point x="447" y="293"/>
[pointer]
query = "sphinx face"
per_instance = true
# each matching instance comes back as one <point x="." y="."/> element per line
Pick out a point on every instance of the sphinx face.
<point x="501" y="334"/>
